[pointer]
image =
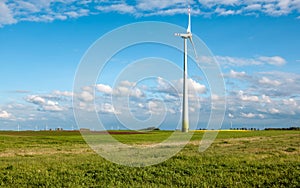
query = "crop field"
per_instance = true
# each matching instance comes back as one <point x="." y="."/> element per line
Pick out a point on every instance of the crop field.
<point x="235" y="159"/>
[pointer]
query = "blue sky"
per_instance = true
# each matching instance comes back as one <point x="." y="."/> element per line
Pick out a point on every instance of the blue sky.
<point x="256" y="44"/>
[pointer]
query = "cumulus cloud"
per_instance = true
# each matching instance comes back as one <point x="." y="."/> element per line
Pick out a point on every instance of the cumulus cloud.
<point x="248" y="115"/>
<point x="128" y="91"/>
<point x="121" y="8"/>
<point x="6" y="15"/>
<point x="244" y="97"/>
<point x="274" y="111"/>
<point x="63" y="93"/>
<point x="107" y="108"/>
<point x="224" y="12"/>
<point x="283" y="84"/>
<point x="41" y="11"/>
<point x="234" y="74"/>
<point x="176" y="86"/>
<point x="253" y="7"/>
<point x="264" y="95"/>
<point x="266" y="99"/>
<point x="269" y="7"/>
<point x="86" y="96"/>
<point x="290" y="102"/>
<point x="252" y="115"/>
<point x="5" y="115"/>
<point x="199" y="88"/>
<point x="143" y="100"/>
<point x="35" y="99"/>
<point x="158" y="4"/>
<point x="104" y="88"/>
<point x="43" y="104"/>
<point x="275" y="60"/>
<point x="210" y="3"/>
<point x="52" y="106"/>
<point x="262" y="60"/>
<point x="47" y="11"/>
<point x="235" y="61"/>
<point x="265" y="80"/>
<point x="123" y="89"/>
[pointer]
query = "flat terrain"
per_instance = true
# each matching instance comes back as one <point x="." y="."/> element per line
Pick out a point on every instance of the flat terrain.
<point x="235" y="159"/>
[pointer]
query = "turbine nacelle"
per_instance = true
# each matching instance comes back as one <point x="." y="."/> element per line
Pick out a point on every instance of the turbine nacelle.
<point x="184" y="35"/>
<point x="188" y="36"/>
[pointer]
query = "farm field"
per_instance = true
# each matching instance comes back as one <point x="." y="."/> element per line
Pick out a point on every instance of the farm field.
<point x="235" y="159"/>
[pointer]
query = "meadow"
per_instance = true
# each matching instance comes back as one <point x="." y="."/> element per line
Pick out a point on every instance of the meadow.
<point x="235" y="159"/>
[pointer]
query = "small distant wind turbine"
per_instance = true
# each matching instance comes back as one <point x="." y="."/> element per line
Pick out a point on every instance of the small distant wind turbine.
<point x="185" y="108"/>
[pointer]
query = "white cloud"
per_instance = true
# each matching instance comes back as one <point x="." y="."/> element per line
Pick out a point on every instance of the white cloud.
<point x="104" y="88"/>
<point x="262" y="60"/>
<point x="176" y="87"/>
<point x="211" y="3"/>
<point x="85" y="96"/>
<point x="126" y="83"/>
<point x="5" y="115"/>
<point x="252" y="115"/>
<point x="244" y="97"/>
<point x="76" y="14"/>
<point x="147" y="5"/>
<point x="224" y="12"/>
<point x="215" y="97"/>
<point x="63" y="93"/>
<point x="43" y="104"/>
<point x="35" y="99"/>
<point x="121" y="8"/>
<point x="169" y="12"/>
<point x="41" y="10"/>
<point x="269" y="7"/>
<point x="199" y="88"/>
<point x="107" y="108"/>
<point x="248" y="115"/>
<point x="267" y="81"/>
<point x="284" y="84"/>
<point x="122" y="91"/>
<point x="155" y="107"/>
<point x="252" y="7"/>
<point x="52" y="106"/>
<point x="6" y="15"/>
<point x="266" y="99"/>
<point x="50" y="10"/>
<point x="235" y="61"/>
<point x="290" y="102"/>
<point x="234" y="74"/>
<point x="275" y="60"/>
<point x="274" y="111"/>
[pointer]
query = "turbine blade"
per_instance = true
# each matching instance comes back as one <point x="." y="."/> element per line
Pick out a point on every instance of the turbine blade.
<point x="194" y="48"/>
<point x="188" y="30"/>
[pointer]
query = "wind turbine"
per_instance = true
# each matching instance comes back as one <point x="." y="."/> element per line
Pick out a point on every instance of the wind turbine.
<point x="185" y="108"/>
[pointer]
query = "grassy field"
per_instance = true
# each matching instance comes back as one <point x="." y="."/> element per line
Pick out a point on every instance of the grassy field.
<point x="235" y="159"/>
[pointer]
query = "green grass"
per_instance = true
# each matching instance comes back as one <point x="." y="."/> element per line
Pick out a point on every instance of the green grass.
<point x="235" y="159"/>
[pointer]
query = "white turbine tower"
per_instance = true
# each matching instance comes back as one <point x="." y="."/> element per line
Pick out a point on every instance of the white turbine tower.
<point x="185" y="108"/>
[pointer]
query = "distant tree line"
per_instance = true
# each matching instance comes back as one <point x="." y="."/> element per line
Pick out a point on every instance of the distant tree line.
<point x="243" y="128"/>
<point x="257" y="129"/>
<point x="290" y="128"/>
